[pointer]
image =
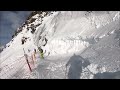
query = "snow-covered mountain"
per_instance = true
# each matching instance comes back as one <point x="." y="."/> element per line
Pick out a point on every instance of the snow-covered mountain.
<point x="76" y="45"/>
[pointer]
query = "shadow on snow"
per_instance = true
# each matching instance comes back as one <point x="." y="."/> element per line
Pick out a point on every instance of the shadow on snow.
<point x="76" y="63"/>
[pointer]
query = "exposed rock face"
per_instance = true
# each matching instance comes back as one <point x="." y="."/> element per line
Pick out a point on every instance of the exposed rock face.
<point x="1" y="48"/>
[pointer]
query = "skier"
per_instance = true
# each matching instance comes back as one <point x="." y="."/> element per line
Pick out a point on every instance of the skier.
<point x="41" y="52"/>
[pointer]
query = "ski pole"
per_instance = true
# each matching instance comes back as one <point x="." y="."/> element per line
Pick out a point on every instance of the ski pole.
<point x="27" y="60"/>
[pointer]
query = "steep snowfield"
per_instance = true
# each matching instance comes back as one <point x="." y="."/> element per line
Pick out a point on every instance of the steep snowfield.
<point x="80" y="45"/>
<point x="69" y="29"/>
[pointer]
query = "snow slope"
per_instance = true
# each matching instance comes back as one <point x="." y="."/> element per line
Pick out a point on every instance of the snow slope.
<point x="79" y="45"/>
